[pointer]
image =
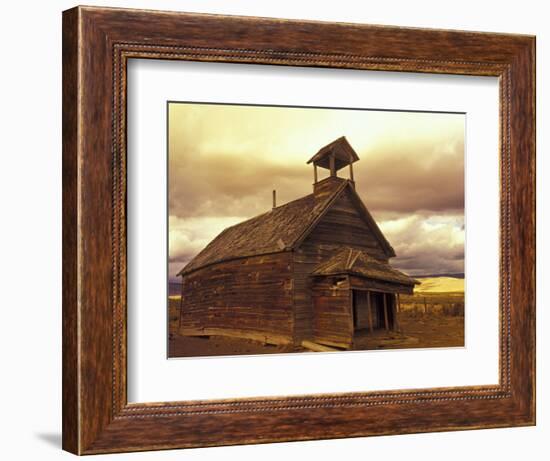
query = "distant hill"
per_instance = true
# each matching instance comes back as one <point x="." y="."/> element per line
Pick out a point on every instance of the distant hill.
<point x="454" y="275"/>
<point x="439" y="284"/>
<point x="174" y="288"/>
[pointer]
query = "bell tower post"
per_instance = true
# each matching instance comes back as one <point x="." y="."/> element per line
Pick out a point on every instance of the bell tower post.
<point x="333" y="157"/>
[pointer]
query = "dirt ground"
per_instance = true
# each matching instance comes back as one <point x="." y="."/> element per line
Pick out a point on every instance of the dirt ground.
<point x="417" y="331"/>
<point x="182" y="346"/>
<point x="434" y="331"/>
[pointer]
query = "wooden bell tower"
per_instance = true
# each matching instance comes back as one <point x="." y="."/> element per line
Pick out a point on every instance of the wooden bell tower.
<point x="334" y="156"/>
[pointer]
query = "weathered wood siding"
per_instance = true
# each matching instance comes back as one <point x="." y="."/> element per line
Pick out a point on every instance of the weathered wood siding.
<point x="379" y="285"/>
<point x="332" y="319"/>
<point x="250" y="297"/>
<point x="341" y="225"/>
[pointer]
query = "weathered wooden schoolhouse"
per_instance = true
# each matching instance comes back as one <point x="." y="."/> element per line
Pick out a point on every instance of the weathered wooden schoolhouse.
<point x="315" y="269"/>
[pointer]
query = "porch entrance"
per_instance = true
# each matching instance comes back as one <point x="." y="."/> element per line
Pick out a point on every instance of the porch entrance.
<point x="373" y="310"/>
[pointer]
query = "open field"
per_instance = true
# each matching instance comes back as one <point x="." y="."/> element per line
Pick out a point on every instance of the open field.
<point x="427" y="319"/>
<point x="422" y="303"/>
<point x="440" y="285"/>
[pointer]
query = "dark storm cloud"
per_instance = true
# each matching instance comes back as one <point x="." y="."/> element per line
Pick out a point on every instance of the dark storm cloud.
<point x="407" y="178"/>
<point x="397" y="177"/>
<point x="217" y="185"/>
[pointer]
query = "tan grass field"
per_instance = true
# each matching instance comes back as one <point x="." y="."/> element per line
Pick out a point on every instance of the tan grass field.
<point x="440" y="285"/>
<point x="435" y="295"/>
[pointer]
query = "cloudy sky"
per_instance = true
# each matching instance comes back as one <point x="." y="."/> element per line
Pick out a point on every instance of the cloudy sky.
<point x="224" y="161"/>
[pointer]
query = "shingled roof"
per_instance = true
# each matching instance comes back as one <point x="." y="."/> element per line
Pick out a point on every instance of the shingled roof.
<point x="340" y="149"/>
<point x="280" y="229"/>
<point x="348" y="260"/>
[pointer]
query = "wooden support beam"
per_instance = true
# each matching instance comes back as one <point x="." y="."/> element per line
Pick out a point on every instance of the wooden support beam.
<point x="386" y="322"/>
<point x="181" y="305"/>
<point x="395" y="303"/>
<point x="369" y="312"/>
<point x="350" y="254"/>
<point x="352" y="319"/>
<point x="351" y="171"/>
<point x="314" y="173"/>
<point x="332" y="166"/>
<point x="316" y="347"/>
<point x="351" y="260"/>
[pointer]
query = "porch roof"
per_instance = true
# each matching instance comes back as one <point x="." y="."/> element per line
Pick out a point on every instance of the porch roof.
<point x="348" y="260"/>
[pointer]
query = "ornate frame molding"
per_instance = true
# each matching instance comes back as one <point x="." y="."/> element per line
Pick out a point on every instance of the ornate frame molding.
<point x="97" y="44"/>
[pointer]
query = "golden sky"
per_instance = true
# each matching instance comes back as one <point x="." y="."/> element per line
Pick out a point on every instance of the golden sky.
<point x="224" y="161"/>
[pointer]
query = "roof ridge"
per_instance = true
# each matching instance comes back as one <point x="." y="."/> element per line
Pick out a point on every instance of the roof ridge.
<point x="260" y="234"/>
<point x="261" y="214"/>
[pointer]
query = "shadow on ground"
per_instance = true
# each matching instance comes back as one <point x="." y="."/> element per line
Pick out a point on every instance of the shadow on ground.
<point x="51" y="438"/>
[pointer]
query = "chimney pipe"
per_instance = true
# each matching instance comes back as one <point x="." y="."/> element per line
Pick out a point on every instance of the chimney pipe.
<point x="274" y="198"/>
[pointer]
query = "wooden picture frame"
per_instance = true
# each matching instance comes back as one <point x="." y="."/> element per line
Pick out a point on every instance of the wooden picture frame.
<point x="97" y="43"/>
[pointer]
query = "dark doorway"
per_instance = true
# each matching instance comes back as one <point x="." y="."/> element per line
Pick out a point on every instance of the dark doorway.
<point x="377" y="321"/>
<point x="360" y="310"/>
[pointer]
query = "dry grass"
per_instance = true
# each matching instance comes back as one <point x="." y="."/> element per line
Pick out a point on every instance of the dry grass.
<point x="440" y="285"/>
<point x="426" y="303"/>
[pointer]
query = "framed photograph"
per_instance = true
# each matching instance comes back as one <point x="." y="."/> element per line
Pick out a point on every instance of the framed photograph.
<point x="282" y="230"/>
<point x="311" y="270"/>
